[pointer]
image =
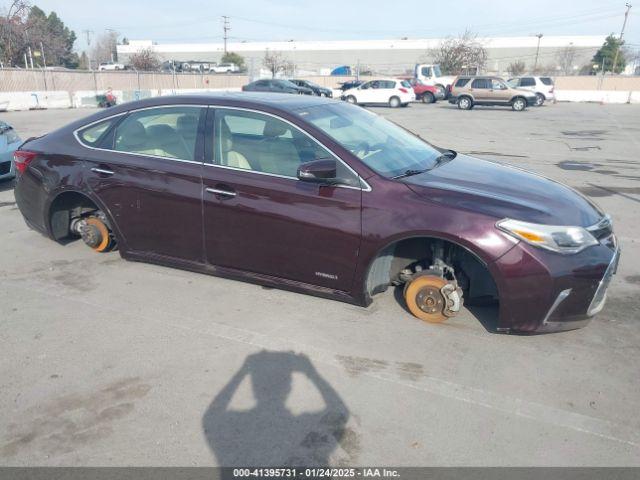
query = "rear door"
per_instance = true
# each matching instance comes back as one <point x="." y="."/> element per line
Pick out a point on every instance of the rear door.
<point x="258" y="217"/>
<point x="480" y="89"/>
<point x="527" y="83"/>
<point x="146" y="169"/>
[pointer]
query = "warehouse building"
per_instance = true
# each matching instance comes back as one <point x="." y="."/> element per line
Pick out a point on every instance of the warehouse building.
<point x="383" y="56"/>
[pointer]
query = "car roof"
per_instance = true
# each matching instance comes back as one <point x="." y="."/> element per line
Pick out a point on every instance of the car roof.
<point x="282" y="102"/>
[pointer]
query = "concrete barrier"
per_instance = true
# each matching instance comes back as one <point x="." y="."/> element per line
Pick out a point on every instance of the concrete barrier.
<point x="10" y="101"/>
<point x="598" y="96"/>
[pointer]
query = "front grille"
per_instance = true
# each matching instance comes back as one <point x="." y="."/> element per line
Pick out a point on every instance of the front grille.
<point x="5" y="168"/>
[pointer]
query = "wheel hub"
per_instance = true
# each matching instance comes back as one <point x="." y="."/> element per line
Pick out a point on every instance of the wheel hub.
<point x="430" y="300"/>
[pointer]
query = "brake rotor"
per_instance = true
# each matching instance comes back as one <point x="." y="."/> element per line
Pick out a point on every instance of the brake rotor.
<point x="96" y="235"/>
<point x="425" y="299"/>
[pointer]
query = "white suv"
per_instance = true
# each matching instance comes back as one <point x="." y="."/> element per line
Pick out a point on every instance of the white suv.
<point x="225" y="68"/>
<point x="543" y="86"/>
<point x="383" y="91"/>
<point x="111" y="66"/>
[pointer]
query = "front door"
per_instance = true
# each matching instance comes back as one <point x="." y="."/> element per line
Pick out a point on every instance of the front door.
<point x="258" y="217"/>
<point x="146" y="170"/>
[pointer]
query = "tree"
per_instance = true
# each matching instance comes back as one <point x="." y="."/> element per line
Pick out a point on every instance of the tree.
<point x="566" y="59"/>
<point x="25" y="27"/>
<point x="105" y="48"/>
<point x="516" y="68"/>
<point x="83" y="61"/>
<point x="145" y="60"/>
<point x="234" y="58"/>
<point x="12" y="32"/>
<point x="604" y="56"/>
<point x="454" y="55"/>
<point x="276" y="63"/>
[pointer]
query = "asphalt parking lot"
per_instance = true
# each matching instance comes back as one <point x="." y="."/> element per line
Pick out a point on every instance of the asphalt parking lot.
<point x="107" y="362"/>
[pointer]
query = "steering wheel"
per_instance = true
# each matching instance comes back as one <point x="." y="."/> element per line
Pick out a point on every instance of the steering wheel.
<point x="361" y="149"/>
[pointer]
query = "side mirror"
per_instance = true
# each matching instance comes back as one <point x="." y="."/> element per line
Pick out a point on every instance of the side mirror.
<point x="319" y="171"/>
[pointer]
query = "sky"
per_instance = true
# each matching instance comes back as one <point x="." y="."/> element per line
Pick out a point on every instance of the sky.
<point x="186" y="21"/>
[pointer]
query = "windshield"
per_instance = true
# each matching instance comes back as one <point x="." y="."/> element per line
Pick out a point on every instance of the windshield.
<point x="381" y="145"/>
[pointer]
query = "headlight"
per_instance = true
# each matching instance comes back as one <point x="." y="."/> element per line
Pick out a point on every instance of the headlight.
<point x="557" y="238"/>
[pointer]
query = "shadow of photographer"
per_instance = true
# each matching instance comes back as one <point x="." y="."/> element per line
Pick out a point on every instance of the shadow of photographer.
<point x="269" y="434"/>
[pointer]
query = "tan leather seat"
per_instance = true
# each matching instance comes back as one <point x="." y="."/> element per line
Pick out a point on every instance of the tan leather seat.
<point x="230" y="157"/>
<point x="278" y="155"/>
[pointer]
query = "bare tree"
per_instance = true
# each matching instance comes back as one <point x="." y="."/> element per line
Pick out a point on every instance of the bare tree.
<point x="12" y="31"/>
<point x="276" y="63"/>
<point x="516" y="68"/>
<point x="457" y="54"/>
<point x="104" y="48"/>
<point x="145" y="60"/>
<point x="566" y="59"/>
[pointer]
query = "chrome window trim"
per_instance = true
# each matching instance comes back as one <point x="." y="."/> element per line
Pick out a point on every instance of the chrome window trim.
<point x="366" y="188"/>
<point x="77" y="130"/>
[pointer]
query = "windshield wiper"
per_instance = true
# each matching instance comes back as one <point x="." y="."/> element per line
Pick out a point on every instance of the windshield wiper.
<point x="408" y="173"/>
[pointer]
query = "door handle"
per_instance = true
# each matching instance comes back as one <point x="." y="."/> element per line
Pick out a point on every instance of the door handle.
<point x="103" y="171"/>
<point x="224" y="193"/>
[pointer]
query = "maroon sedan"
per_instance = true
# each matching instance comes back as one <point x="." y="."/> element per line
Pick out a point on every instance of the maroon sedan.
<point x="322" y="197"/>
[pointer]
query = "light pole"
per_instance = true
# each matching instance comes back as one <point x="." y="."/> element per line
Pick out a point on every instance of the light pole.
<point x="624" y="24"/>
<point x="535" y="65"/>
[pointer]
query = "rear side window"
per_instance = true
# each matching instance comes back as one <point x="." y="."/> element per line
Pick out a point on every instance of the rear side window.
<point x="527" y="82"/>
<point x="546" y="80"/>
<point x="169" y="132"/>
<point x="481" y="83"/>
<point x="461" y="82"/>
<point x="405" y="83"/>
<point x="92" y="135"/>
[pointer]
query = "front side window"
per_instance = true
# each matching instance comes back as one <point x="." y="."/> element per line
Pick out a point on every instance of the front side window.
<point x="382" y="145"/>
<point x="498" y="84"/>
<point x="169" y="132"/>
<point x="261" y="143"/>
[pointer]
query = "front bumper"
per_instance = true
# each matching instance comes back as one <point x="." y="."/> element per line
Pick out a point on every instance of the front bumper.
<point x="542" y="291"/>
<point x="7" y="168"/>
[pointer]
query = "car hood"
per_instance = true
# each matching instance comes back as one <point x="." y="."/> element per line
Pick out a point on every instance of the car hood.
<point x="503" y="192"/>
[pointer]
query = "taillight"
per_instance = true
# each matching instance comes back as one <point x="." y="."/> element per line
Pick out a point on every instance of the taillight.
<point x="22" y="159"/>
<point x="551" y="90"/>
<point x="403" y="90"/>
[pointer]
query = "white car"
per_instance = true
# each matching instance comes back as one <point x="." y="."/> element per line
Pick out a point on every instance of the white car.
<point x="384" y="91"/>
<point x="225" y="68"/>
<point x="110" y="66"/>
<point x="543" y="86"/>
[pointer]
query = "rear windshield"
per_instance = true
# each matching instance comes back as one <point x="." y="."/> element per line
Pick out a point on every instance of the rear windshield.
<point x="546" y="80"/>
<point x="462" y="82"/>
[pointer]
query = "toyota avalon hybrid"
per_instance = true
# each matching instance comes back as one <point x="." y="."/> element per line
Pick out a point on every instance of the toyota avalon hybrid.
<point x="319" y="196"/>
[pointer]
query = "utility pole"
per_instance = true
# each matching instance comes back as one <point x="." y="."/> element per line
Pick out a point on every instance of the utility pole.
<point x="225" y="28"/>
<point x="44" y="60"/>
<point x="535" y="65"/>
<point x="88" y="34"/>
<point x="624" y="24"/>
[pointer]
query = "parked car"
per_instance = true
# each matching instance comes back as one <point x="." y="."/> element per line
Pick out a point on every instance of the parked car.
<point x="111" y="66"/>
<point x="384" y="91"/>
<point x="425" y="93"/>
<point x="430" y="74"/>
<point x="196" y="66"/>
<point x="276" y="86"/>
<point x="468" y="92"/>
<point x="314" y="87"/>
<point x="543" y="87"/>
<point x="350" y="84"/>
<point x="9" y="142"/>
<point x="225" y="68"/>
<point x="322" y="197"/>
